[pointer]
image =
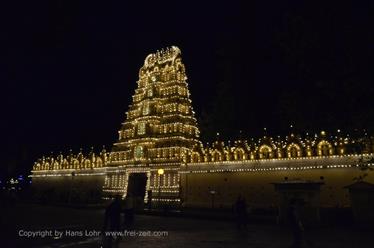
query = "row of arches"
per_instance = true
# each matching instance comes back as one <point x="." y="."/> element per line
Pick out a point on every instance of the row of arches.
<point x="77" y="162"/>
<point x="241" y="151"/>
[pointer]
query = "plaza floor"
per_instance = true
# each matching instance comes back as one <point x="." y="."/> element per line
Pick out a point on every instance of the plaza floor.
<point x="162" y="232"/>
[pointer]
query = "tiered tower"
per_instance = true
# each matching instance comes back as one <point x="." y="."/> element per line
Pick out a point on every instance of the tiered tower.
<point x="160" y="128"/>
<point x="158" y="155"/>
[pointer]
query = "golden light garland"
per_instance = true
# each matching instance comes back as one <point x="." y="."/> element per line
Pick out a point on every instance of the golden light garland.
<point x="160" y="131"/>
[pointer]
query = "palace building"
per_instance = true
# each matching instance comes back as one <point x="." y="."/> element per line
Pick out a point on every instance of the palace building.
<point x="159" y="158"/>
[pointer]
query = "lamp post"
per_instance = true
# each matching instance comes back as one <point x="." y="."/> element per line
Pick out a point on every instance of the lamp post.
<point x="160" y="172"/>
<point x="212" y="193"/>
<point x="71" y="187"/>
<point x="186" y="188"/>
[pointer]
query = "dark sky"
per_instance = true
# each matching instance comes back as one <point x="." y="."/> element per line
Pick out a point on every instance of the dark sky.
<point x="68" y="69"/>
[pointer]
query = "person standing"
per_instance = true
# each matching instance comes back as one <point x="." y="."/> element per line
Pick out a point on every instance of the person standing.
<point x="112" y="222"/>
<point x="129" y="211"/>
<point x="241" y="212"/>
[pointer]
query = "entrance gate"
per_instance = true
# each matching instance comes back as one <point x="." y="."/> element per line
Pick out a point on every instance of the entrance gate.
<point x="136" y="188"/>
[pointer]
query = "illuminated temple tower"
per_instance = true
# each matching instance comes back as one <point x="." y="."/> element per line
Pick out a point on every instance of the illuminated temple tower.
<point x="159" y="130"/>
<point x="158" y="156"/>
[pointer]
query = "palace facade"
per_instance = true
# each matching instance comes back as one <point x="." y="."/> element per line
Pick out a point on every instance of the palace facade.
<point x="159" y="158"/>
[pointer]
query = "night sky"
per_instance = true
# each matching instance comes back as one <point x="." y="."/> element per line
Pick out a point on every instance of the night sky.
<point x="68" y="69"/>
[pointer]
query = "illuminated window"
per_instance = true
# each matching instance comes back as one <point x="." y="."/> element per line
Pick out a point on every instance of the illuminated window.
<point x="150" y="93"/>
<point x="138" y="152"/>
<point x="146" y="108"/>
<point x="141" y="128"/>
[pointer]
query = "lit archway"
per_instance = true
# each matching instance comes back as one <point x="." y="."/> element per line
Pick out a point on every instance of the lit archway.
<point x="293" y="151"/>
<point x="195" y="157"/>
<point x="216" y="156"/>
<point x="324" y="148"/>
<point x="75" y="164"/>
<point x="265" y="152"/>
<point x="239" y="154"/>
<point x="99" y="162"/>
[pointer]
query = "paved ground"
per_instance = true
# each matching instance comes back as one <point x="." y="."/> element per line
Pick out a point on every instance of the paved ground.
<point x="180" y="232"/>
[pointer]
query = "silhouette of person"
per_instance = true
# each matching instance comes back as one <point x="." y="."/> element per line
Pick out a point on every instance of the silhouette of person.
<point x="112" y="220"/>
<point x="129" y="211"/>
<point x="241" y="212"/>
<point x="296" y="223"/>
<point x="113" y="214"/>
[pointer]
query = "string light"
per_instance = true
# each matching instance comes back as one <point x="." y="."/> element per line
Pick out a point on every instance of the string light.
<point x="160" y="131"/>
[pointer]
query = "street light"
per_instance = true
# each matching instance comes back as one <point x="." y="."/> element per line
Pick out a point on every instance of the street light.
<point x="71" y="186"/>
<point x="160" y="172"/>
<point x="212" y="193"/>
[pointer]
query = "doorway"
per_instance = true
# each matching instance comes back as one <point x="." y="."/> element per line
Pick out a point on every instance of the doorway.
<point x="136" y="188"/>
